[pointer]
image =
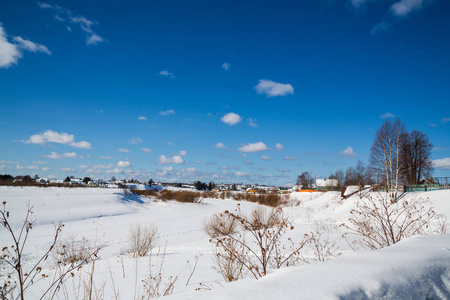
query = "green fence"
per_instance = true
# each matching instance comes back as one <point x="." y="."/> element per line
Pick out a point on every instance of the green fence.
<point x="424" y="188"/>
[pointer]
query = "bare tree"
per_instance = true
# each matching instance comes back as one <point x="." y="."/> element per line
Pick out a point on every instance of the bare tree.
<point x="415" y="152"/>
<point x="305" y="179"/>
<point x="360" y="172"/>
<point x="350" y="177"/>
<point x="385" y="160"/>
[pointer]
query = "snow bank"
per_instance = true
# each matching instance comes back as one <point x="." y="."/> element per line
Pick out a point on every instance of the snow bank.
<point x="416" y="268"/>
<point x="54" y="205"/>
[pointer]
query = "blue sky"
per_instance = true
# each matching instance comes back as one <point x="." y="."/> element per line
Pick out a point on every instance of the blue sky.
<point x="229" y="91"/>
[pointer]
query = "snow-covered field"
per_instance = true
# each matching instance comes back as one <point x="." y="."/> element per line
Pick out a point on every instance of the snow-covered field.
<point x="416" y="268"/>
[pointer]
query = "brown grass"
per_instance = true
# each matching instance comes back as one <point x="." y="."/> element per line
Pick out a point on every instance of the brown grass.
<point x="180" y="196"/>
<point x="272" y="200"/>
<point x="146" y="193"/>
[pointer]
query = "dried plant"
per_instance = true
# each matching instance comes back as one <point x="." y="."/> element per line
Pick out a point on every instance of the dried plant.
<point x="379" y="221"/>
<point x="142" y="239"/>
<point x="157" y="285"/>
<point x="226" y="256"/>
<point x="254" y="241"/>
<point x="72" y="251"/>
<point x="17" y="277"/>
<point x="322" y="248"/>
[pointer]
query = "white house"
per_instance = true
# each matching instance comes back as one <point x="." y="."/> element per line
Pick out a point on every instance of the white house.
<point x="327" y="182"/>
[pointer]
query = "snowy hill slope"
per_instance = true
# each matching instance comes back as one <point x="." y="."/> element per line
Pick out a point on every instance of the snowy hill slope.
<point x="417" y="266"/>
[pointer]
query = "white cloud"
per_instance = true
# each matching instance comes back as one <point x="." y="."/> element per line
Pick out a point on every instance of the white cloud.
<point x="349" y="153"/>
<point x="241" y="174"/>
<point x="54" y="155"/>
<point x="123" y="164"/>
<point x="114" y="171"/>
<point x="279" y="147"/>
<point x="382" y="26"/>
<point x="82" y="144"/>
<point x="43" y="5"/>
<point x="290" y="158"/>
<point x="30" y="46"/>
<point x="146" y="150"/>
<point x="50" y="136"/>
<point x="94" y="39"/>
<point x="254" y="147"/>
<point x="266" y="157"/>
<point x="359" y="3"/>
<point x="65" y="15"/>
<point x="387" y="115"/>
<point x="272" y="89"/>
<point x="197" y="162"/>
<point x="166" y="73"/>
<point x="58" y="18"/>
<point x="45" y="169"/>
<point x="252" y="122"/>
<point x="168" y="112"/>
<point x="164" y="171"/>
<point x="32" y="167"/>
<point x="404" y="7"/>
<point x="105" y="157"/>
<point x="176" y="159"/>
<point x="84" y="23"/>
<point x="226" y="66"/>
<point x="142" y="118"/>
<point x="135" y="140"/>
<point x="10" y="53"/>
<point x="122" y="150"/>
<point x="8" y="162"/>
<point x="70" y="155"/>
<point x="229" y="168"/>
<point x="183" y="153"/>
<point x="445" y="120"/>
<point x="65" y="169"/>
<point x="221" y="146"/>
<point x="231" y="119"/>
<point x="443" y="163"/>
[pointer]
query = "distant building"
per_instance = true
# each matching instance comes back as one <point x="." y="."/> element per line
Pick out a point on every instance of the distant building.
<point x="324" y="183"/>
<point x="56" y="181"/>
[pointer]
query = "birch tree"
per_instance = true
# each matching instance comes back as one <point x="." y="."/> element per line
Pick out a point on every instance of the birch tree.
<point x="385" y="161"/>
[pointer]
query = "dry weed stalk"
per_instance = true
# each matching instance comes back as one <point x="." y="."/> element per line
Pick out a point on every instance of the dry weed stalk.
<point x="228" y="231"/>
<point x="322" y="248"/>
<point x="142" y="239"/>
<point x="18" y="279"/>
<point x="382" y="221"/>
<point x="157" y="285"/>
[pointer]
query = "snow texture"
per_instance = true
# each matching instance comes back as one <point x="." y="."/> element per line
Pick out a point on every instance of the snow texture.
<point x="416" y="268"/>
